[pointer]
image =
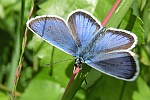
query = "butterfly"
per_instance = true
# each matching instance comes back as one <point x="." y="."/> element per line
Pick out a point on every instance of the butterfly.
<point x="83" y="36"/>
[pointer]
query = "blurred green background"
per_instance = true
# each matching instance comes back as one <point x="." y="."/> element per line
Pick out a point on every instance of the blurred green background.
<point x="38" y="81"/>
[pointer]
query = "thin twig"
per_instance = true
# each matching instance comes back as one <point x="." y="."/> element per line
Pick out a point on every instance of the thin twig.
<point x="19" y="67"/>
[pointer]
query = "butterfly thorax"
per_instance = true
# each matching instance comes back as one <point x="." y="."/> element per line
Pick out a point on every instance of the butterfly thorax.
<point x="87" y="51"/>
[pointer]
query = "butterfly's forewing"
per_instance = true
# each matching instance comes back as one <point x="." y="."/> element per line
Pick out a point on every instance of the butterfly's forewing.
<point x="82" y="26"/>
<point x="122" y="65"/>
<point x="55" y="31"/>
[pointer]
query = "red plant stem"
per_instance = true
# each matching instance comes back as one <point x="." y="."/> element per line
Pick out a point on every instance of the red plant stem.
<point x="71" y="79"/>
<point x="110" y="12"/>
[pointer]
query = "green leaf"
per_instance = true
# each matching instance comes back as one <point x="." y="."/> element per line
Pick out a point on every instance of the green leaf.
<point x="145" y="58"/>
<point x="102" y="90"/>
<point x="91" y="78"/>
<point x="3" y="96"/>
<point x="146" y="20"/>
<point x="43" y="52"/>
<point x="143" y="92"/>
<point x="43" y="87"/>
<point x="143" y="4"/>
<point x="134" y="24"/>
<point x="64" y="7"/>
<point x="109" y="88"/>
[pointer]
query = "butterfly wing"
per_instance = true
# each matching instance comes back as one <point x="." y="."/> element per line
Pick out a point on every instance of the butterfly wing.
<point x="122" y="65"/>
<point x="55" y="31"/>
<point x="83" y="26"/>
<point x="114" y="40"/>
<point x="110" y="54"/>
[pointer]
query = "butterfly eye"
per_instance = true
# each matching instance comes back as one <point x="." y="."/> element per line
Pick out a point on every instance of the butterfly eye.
<point x="78" y="62"/>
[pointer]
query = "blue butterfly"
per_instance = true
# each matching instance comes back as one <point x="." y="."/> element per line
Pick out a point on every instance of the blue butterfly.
<point x="82" y="36"/>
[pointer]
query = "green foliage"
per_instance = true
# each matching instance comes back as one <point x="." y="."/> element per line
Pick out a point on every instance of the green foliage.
<point x="135" y="27"/>
<point x="3" y="96"/>
<point x="63" y="8"/>
<point x="143" y="90"/>
<point x="44" y="86"/>
<point x="40" y="81"/>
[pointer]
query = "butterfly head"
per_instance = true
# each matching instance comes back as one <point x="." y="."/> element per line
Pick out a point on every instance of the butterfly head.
<point x="78" y="62"/>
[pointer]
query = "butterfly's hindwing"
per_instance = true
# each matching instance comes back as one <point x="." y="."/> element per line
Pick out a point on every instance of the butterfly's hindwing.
<point x="122" y="65"/>
<point x="114" y="40"/>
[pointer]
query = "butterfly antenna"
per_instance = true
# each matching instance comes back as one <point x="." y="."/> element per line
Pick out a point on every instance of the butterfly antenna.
<point x="59" y="62"/>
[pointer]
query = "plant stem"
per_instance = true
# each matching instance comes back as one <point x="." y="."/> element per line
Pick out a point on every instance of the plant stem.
<point x="75" y="85"/>
<point x="110" y="13"/>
